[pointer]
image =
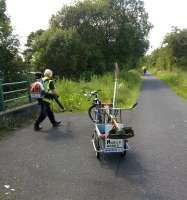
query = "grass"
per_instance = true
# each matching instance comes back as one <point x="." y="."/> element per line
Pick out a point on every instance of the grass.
<point x="7" y="195"/>
<point x="72" y="93"/>
<point x="73" y="98"/>
<point x="176" y="79"/>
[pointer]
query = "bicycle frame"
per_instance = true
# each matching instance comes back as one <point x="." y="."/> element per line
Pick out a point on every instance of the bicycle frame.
<point x="94" y="111"/>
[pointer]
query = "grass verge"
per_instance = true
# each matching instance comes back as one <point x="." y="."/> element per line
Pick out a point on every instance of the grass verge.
<point x="176" y="79"/>
<point x="72" y="93"/>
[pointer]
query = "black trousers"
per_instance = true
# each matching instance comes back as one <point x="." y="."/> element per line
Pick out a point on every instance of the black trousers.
<point x="45" y="112"/>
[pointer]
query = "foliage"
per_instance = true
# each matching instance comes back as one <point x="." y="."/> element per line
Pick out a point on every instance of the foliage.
<point x="88" y="37"/>
<point x="72" y="93"/>
<point x="10" y="62"/>
<point x="172" y="54"/>
<point x="32" y="38"/>
<point x="176" y="79"/>
<point x="177" y="42"/>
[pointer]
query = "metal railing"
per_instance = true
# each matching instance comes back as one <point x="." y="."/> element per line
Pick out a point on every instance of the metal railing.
<point x="12" y="92"/>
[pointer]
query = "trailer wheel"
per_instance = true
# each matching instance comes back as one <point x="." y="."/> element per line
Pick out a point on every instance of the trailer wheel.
<point x="96" y="141"/>
<point x="123" y="154"/>
<point x="98" y="155"/>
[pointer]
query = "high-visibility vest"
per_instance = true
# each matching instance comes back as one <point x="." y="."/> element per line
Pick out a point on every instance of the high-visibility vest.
<point x="46" y="83"/>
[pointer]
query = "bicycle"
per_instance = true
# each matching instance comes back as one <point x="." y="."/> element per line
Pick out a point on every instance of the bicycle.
<point x="110" y="134"/>
<point x="97" y="111"/>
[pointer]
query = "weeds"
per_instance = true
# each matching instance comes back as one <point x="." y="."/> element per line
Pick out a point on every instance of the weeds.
<point x="176" y="79"/>
<point x="72" y="93"/>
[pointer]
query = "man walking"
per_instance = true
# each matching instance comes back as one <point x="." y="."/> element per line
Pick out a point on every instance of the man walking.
<point x="50" y="93"/>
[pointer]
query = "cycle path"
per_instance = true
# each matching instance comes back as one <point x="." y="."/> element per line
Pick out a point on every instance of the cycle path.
<point x="60" y="164"/>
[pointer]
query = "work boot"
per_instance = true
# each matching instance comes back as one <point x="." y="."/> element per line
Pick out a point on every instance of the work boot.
<point x="56" y="124"/>
<point x="37" y="127"/>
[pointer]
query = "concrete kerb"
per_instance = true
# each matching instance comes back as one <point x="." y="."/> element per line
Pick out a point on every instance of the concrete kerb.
<point x="16" y="117"/>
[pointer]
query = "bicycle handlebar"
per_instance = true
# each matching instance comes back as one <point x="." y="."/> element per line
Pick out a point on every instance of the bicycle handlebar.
<point x="133" y="106"/>
<point x="92" y="93"/>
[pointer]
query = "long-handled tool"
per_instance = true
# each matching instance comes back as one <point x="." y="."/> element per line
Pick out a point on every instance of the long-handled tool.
<point x="59" y="103"/>
<point x="115" y="84"/>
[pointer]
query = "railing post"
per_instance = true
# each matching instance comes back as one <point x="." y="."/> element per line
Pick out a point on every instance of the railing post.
<point x="1" y="96"/>
<point x="29" y="96"/>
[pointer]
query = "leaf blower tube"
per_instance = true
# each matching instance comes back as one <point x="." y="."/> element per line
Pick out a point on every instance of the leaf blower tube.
<point x="59" y="103"/>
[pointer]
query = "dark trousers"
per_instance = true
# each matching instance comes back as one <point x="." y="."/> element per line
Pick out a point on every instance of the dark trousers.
<point x="45" y="112"/>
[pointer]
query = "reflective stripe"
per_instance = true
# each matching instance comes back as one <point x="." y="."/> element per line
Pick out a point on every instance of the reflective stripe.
<point x="47" y="100"/>
<point x="46" y="83"/>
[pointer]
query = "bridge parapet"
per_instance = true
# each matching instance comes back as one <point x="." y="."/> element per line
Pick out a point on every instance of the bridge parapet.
<point x="18" y="116"/>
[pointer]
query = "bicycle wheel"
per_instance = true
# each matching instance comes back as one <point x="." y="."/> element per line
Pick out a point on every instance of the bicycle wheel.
<point x="92" y="113"/>
<point x="123" y="154"/>
<point x="95" y="114"/>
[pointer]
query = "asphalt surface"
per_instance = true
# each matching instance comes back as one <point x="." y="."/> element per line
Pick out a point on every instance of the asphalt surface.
<point x="60" y="164"/>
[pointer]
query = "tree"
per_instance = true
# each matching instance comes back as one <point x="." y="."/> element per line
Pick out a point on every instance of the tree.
<point x="119" y="28"/>
<point x="30" y="45"/>
<point x="173" y="52"/>
<point x="8" y="46"/>
<point x="177" y="42"/>
<point x="92" y="35"/>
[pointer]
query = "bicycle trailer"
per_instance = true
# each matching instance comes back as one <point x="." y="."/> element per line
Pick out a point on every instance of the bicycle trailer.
<point x="111" y="136"/>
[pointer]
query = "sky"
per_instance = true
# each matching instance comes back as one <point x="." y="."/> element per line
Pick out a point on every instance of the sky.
<point x="30" y="15"/>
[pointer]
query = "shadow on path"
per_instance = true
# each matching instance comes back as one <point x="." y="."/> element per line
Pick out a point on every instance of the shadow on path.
<point x="60" y="133"/>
